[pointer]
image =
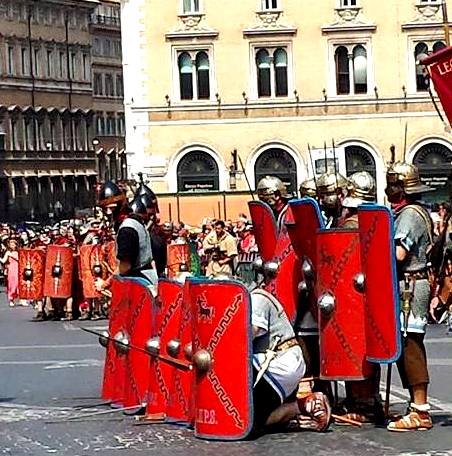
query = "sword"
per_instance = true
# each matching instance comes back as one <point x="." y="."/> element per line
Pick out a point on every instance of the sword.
<point x="269" y="355"/>
<point x="166" y="359"/>
<point x="407" y="297"/>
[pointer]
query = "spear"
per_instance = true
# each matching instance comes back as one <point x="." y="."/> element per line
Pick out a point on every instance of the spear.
<point x="166" y="359"/>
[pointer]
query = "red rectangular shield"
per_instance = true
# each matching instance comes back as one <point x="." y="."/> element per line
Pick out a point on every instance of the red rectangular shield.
<point x="264" y="228"/>
<point x="138" y="327"/>
<point x="58" y="271"/>
<point x="109" y="249"/>
<point x="383" y="334"/>
<point x="308" y="220"/>
<point x="440" y="69"/>
<point x="222" y="331"/>
<point x="342" y="329"/>
<point x="31" y="274"/>
<point x="91" y="268"/>
<point x="113" y="387"/>
<point x="303" y="235"/>
<point x="285" y="285"/>
<point x="166" y="327"/>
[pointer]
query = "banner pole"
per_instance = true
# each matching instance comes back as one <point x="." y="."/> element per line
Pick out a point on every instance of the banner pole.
<point x="446" y="23"/>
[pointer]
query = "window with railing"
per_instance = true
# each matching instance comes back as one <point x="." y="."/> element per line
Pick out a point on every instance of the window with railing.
<point x="101" y="19"/>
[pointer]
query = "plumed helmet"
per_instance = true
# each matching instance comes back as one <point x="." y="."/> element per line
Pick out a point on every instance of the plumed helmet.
<point x="138" y="206"/>
<point x="362" y="190"/>
<point x="406" y="175"/>
<point x="110" y="193"/>
<point x="330" y="183"/>
<point x="269" y="185"/>
<point x="308" y="188"/>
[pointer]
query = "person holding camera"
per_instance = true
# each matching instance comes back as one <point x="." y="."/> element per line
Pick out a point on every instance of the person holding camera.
<point x="222" y="249"/>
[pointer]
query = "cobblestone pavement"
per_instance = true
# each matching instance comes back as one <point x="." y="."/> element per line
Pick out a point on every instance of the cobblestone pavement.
<point x="47" y="368"/>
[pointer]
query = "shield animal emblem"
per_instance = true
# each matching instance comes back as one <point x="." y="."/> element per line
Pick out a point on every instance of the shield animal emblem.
<point x="178" y="254"/>
<point x="264" y="227"/>
<point x="113" y="387"/>
<point x="31" y="274"/>
<point x="222" y="353"/>
<point x="383" y="334"/>
<point x="58" y="272"/>
<point x="166" y="334"/>
<point x="341" y="306"/>
<point x="92" y="267"/>
<point x="139" y="330"/>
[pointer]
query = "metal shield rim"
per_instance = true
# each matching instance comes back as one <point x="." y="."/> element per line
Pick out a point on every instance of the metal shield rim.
<point x="308" y="201"/>
<point x="395" y="287"/>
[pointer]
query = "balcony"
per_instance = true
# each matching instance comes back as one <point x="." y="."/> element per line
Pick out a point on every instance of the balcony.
<point x="101" y="20"/>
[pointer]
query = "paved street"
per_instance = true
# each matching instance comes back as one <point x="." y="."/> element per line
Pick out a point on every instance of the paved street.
<point x="47" y="368"/>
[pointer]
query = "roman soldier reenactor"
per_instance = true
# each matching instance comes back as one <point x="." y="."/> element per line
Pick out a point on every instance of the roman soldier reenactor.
<point x="413" y="235"/>
<point x="332" y="189"/>
<point x="113" y="202"/>
<point x="363" y="401"/>
<point x="271" y="190"/>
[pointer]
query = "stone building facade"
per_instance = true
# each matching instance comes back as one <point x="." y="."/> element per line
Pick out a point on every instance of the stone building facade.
<point x="108" y="91"/>
<point x="48" y="162"/>
<point x="266" y="78"/>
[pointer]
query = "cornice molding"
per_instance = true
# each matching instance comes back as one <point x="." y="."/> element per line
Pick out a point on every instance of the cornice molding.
<point x="350" y="19"/>
<point x="192" y="26"/>
<point x="269" y="23"/>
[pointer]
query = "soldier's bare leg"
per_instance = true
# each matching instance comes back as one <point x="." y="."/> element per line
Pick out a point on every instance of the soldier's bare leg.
<point x="283" y="414"/>
<point x="68" y="307"/>
<point x="40" y="313"/>
<point x="413" y="371"/>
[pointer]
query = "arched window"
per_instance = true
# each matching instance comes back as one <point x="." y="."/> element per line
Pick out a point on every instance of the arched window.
<point x="280" y="59"/>
<point x="420" y="52"/>
<point x="277" y="162"/>
<point x="186" y="76"/>
<point x="438" y="46"/>
<point x="197" y="172"/>
<point x="203" y="75"/>
<point x="360" y="69"/>
<point x="342" y="71"/>
<point x="434" y="161"/>
<point x="263" y="63"/>
<point x="357" y="159"/>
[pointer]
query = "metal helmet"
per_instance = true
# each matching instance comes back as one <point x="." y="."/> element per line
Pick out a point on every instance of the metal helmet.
<point x="330" y="183"/>
<point x="110" y="194"/>
<point x="308" y="188"/>
<point x="138" y="207"/>
<point x="149" y="198"/>
<point x="406" y="175"/>
<point x="362" y="190"/>
<point x="331" y="186"/>
<point x="269" y="187"/>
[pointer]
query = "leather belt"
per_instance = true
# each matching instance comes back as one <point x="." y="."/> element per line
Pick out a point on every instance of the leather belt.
<point x="287" y="344"/>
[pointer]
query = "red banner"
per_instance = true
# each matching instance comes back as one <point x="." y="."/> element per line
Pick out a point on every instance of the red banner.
<point x="439" y="66"/>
